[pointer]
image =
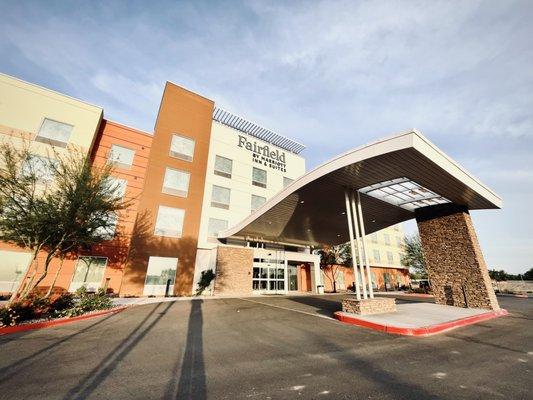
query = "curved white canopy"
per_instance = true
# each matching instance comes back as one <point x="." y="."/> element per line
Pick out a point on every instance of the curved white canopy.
<point x="310" y="211"/>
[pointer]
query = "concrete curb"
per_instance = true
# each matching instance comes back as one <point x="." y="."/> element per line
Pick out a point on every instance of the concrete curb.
<point x="422" y="331"/>
<point x="60" y="321"/>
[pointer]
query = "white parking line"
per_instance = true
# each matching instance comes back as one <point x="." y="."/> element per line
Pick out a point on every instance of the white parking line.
<point x="290" y="309"/>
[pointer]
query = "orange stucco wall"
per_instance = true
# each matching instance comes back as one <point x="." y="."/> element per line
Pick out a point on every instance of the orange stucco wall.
<point x="116" y="251"/>
<point x="378" y="277"/>
<point x="188" y="114"/>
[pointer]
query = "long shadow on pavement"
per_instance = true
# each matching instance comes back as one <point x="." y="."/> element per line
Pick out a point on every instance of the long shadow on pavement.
<point x="10" y="370"/>
<point x="89" y="383"/>
<point x="192" y="382"/>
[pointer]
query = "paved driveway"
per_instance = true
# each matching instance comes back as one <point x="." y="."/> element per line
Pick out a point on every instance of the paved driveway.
<point x="264" y="348"/>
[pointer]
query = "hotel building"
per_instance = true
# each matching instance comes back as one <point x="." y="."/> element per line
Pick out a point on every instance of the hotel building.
<point x="201" y="172"/>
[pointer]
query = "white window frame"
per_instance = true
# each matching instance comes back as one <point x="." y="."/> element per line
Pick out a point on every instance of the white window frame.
<point x="182" y="156"/>
<point x="218" y="204"/>
<point x="95" y="285"/>
<point x="252" y="202"/>
<point x="158" y="231"/>
<point x="51" y="141"/>
<point x="209" y="233"/>
<point x="223" y="173"/>
<point x="117" y="162"/>
<point x="257" y="183"/>
<point x="172" y="191"/>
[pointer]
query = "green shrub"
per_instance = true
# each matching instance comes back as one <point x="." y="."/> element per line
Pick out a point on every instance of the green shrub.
<point x="61" y="303"/>
<point x="205" y="280"/>
<point x="92" y="301"/>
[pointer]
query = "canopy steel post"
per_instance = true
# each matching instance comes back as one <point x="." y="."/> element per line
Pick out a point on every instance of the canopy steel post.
<point x="357" y="236"/>
<point x="363" y="237"/>
<point x="352" y="246"/>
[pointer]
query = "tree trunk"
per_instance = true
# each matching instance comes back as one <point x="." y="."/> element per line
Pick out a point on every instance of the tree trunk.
<point x="20" y="286"/>
<point x="55" y="277"/>
<point x="47" y="262"/>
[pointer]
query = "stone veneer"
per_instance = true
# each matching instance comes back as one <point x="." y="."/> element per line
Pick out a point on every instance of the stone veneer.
<point x="454" y="261"/>
<point x="234" y="271"/>
<point x="377" y="305"/>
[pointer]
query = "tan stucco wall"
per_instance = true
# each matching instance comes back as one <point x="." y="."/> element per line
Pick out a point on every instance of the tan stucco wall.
<point x="23" y="107"/>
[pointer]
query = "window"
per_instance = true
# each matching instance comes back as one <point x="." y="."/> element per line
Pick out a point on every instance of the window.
<point x="40" y="167"/>
<point x="257" y="201"/>
<point x="54" y="132"/>
<point x="169" y="222"/>
<point x="390" y="257"/>
<point x="374" y="237"/>
<point x="220" y="197"/>
<point x="377" y="257"/>
<point x="160" y="271"/>
<point x="287" y="181"/>
<point x="108" y="232"/>
<point x="386" y="237"/>
<point x="117" y="186"/>
<point x="14" y="266"/>
<point x="176" y="182"/>
<point x="397" y="228"/>
<point x="259" y="177"/>
<point x="399" y="241"/>
<point x="89" y="272"/>
<point x="215" y="226"/>
<point x="374" y="280"/>
<point x="182" y="147"/>
<point x="223" y="166"/>
<point x="122" y="157"/>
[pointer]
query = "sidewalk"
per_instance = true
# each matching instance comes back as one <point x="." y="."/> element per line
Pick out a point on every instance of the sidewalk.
<point x="420" y="319"/>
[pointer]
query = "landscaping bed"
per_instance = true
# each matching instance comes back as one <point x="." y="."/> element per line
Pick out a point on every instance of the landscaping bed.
<point x="36" y="309"/>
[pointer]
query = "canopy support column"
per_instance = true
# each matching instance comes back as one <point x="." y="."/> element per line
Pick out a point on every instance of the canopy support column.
<point x="352" y="245"/>
<point x="363" y="239"/>
<point x="358" y="237"/>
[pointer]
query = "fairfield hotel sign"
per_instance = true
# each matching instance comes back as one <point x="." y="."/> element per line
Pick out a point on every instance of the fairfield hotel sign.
<point x="263" y="155"/>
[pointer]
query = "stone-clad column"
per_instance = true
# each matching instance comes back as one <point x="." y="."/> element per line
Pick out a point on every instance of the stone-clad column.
<point x="455" y="264"/>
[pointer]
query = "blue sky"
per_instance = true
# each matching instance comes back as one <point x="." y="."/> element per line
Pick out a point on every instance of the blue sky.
<point x="330" y="74"/>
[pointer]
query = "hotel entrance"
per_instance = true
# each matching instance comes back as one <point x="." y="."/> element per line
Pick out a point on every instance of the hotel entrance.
<point x="268" y="276"/>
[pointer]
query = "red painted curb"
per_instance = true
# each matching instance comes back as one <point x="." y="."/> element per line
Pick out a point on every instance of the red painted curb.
<point x="422" y="331"/>
<point x="46" y="324"/>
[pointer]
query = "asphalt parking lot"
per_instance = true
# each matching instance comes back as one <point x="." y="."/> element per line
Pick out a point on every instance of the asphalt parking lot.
<point x="265" y="348"/>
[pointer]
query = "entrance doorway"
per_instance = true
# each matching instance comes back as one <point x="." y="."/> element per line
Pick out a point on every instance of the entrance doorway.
<point x="292" y="273"/>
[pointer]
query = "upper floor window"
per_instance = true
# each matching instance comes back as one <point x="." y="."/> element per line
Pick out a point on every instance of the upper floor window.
<point x="108" y="231"/>
<point x="169" y="222"/>
<point x="377" y="256"/>
<point x="259" y="177"/>
<point x="220" y="197"/>
<point x="182" y="147"/>
<point x="257" y="201"/>
<point x="398" y="241"/>
<point x="386" y="237"/>
<point x="215" y="226"/>
<point x="117" y="186"/>
<point x="176" y="182"/>
<point x="374" y="237"/>
<point x="122" y="157"/>
<point x="390" y="257"/>
<point x="42" y="168"/>
<point x="287" y="181"/>
<point x="54" y="132"/>
<point x="223" y="166"/>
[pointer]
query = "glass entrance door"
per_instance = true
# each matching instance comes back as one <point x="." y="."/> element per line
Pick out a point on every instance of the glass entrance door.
<point x="292" y="273"/>
<point x="268" y="276"/>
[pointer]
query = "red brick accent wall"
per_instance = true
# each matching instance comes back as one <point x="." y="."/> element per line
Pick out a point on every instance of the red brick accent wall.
<point x="234" y="271"/>
<point x="454" y="260"/>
